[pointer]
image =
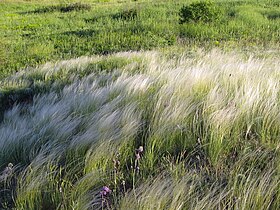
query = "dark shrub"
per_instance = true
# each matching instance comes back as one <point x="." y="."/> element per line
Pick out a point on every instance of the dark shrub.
<point x="202" y="11"/>
<point x="128" y="14"/>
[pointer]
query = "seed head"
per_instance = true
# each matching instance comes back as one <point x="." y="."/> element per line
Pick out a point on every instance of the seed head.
<point x="140" y="150"/>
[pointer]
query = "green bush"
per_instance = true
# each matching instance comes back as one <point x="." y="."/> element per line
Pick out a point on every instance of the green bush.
<point x="202" y="11"/>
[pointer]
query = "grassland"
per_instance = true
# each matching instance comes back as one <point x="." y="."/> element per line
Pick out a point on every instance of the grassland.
<point x="33" y="32"/>
<point x="116" y="105"/>
<point x="208" y="124"/>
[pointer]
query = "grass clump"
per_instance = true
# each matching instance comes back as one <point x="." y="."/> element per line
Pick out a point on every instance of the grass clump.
<point x="127" y="14"/>
<point x="202" y="11"/>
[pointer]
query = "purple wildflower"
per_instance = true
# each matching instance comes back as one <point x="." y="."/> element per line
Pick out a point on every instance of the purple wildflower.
<point x="105" y="190"/>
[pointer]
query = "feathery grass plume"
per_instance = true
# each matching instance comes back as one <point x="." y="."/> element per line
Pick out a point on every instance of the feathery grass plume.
<point x="203" y="112"/>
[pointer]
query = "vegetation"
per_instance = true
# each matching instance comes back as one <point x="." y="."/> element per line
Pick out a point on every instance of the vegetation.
<point x="196" y="131"/>
<point x="63" y="8"/>
<point x="203" y="11"/>
<point x="33" y="32"/>
<point x="186" y="118"/>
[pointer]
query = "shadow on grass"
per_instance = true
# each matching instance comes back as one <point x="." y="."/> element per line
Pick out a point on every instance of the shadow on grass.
<point x="125" y="15"/>
<point x="95" y="19"/>
<point x="60" y="8"/>
<point x="273" y="16"/>
<point x="13" y="96"/>
<point x="81" y="33"/>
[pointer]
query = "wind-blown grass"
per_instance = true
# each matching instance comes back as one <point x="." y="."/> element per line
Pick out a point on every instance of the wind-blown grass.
<point x="208" y="123"/>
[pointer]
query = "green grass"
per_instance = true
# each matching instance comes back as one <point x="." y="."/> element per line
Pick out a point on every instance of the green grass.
<point x="85" y="86"/>
<point x="33" y="32"/>
<point x="208" y="123"/>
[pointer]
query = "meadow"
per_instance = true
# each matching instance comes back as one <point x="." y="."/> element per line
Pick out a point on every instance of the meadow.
<point x="123" y="105"/>
<point x="33" y="32"/>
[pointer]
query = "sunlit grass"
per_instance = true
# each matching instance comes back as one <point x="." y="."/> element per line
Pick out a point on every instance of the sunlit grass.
<point x="208" y="123"/>
<point x="29" y="37"/>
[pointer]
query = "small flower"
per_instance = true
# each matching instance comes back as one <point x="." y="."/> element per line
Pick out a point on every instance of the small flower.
<point x="105" y="190"/>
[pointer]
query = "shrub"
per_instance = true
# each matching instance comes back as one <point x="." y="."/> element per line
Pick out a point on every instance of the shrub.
<point x="202" y="11"/>
<point x="127" y="14"/>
